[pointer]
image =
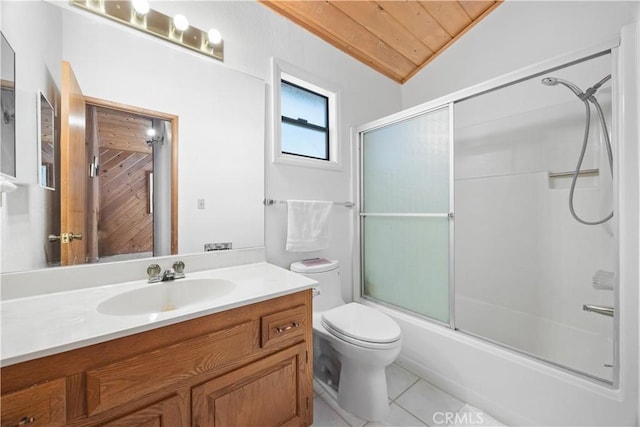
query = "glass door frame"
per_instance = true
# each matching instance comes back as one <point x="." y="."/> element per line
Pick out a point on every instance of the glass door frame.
<point x="526" y="73"/>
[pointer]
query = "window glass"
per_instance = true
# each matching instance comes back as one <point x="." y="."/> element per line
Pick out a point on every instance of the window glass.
<point x="299" y="103"/>
<point x="304" y="142"/>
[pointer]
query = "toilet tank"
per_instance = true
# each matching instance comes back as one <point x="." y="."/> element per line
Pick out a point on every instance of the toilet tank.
<point x="328" y="291"/>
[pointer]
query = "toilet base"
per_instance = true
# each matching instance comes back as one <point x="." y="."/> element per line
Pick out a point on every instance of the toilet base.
<point x="363" y="391"/>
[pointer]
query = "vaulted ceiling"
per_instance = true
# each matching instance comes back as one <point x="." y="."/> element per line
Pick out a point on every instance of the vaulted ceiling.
<point x="395" y="37"/>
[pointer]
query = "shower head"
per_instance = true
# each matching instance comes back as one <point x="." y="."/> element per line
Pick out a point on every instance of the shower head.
<point x="552" y="81"/>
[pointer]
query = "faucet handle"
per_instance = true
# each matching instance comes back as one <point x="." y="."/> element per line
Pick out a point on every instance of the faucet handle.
<point x="154" y="273"/>
<point x="178" y="266"/>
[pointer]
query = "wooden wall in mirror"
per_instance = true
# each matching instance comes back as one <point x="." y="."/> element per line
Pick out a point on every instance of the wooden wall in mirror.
<point x="46" y="143"/>
<point x="7" y="99"/>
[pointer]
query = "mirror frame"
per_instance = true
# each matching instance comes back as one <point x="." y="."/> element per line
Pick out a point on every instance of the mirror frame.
<point x="42" y="101"/>
<point x="9" y="85"/>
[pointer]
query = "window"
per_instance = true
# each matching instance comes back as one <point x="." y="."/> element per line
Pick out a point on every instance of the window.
<point x="304" y="119"/>
<point x="305" y="122"/>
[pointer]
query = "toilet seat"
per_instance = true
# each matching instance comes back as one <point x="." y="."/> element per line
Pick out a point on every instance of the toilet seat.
<point x="361" y="326"/>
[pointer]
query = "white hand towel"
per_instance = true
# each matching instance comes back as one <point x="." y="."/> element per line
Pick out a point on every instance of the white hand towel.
<point x="307" y="225"/>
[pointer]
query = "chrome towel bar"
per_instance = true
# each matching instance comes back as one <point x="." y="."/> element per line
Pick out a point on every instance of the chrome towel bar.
<point x="270" y="202"/>
<point x="587" y="172"/>
<point x="605" y="311"/>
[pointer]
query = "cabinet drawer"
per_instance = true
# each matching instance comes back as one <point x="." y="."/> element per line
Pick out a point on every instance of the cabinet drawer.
<point x="283" y="325"/>
<point x="40" y="405"/>
<point x="167" y="413"/>
<point x="128" y="379"/>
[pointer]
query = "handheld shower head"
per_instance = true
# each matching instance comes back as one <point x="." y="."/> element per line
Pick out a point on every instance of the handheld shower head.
<point x="552" y="81"/>
<point x="601" y="82"/>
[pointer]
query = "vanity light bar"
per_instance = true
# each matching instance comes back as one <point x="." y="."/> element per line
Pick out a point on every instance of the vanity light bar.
<point x="154" y="23"/>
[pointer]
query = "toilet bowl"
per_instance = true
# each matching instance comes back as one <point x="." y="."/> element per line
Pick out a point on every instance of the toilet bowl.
<point x="364" y="340"/>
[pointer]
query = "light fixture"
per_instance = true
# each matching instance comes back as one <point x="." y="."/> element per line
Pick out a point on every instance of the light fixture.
<point x="140" y="6"/>
<point x="153" y="138"/>
<point x="137" y="14"/>
<point x="140" y="11"/>
<point x="181" y="23"/>
<point x="214" y="36"/>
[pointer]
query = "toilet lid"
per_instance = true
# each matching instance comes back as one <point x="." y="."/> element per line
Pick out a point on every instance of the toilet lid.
<point x="362" y="323"/>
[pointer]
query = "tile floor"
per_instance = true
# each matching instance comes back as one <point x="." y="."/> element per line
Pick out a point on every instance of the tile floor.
<point x="414" y="402"/>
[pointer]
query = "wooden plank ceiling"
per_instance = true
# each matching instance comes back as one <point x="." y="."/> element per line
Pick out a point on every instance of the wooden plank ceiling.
<point x="395" y="37"/>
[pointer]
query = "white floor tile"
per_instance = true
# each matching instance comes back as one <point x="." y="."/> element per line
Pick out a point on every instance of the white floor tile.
<point x="398" y="380"/>
<point x="397" y="417"/>
<point x="424" y="400"/>
<point x="351" y="419"/>
<point x="324" y="416"/>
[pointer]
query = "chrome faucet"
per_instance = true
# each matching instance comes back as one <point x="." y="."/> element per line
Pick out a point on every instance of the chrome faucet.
<point x="169" y="274"/>
<point x="176" y="272"/>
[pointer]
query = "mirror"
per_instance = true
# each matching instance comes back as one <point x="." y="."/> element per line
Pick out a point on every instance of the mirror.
<point x="220" y="113"/>
<point x="46" y="143"/>
<point x="7" y="99"/>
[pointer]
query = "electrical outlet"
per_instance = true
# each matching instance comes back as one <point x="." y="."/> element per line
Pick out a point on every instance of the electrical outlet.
<point x="200" y="203"/>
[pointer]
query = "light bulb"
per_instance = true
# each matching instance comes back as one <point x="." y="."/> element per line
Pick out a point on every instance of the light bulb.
<point x="180" y="22"/>
<point x="214" y="36"/>
<point x="140" y="6"/>
<point x="151" y="132"/>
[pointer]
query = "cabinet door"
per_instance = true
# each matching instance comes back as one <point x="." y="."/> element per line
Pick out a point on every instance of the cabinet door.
<point x="168" y="413"/>
<point x="273" y="391"/>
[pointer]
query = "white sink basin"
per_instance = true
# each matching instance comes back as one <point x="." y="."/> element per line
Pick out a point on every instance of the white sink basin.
<point x="165" y="296"/>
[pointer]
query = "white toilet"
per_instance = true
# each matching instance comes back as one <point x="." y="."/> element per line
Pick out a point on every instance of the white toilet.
<point x="365" y="341"/>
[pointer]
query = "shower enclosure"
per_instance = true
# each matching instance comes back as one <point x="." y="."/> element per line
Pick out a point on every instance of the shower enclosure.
<point x="490" y="214"/>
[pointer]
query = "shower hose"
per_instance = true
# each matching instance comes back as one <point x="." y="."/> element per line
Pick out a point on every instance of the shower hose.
<point x="585" y="140"/>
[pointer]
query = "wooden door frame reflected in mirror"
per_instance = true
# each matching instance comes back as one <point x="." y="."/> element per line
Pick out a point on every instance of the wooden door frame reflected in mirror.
<point x="173" y="119"/>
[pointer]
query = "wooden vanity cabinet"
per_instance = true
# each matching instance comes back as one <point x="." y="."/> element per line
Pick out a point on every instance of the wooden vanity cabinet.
<point x="249" y="366"/>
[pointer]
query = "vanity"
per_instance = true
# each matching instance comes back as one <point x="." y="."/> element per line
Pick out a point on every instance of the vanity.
<point x="238" y="357"/>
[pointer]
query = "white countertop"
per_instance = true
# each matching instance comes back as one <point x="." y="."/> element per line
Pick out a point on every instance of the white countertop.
<point x="42" y="325"/>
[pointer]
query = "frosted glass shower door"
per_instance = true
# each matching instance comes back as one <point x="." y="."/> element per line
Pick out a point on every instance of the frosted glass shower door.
<point x="405" y="193"/>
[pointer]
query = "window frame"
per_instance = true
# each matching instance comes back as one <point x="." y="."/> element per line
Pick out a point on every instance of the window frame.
<point x="306" y="125"/>
<point x="282" y="71"/>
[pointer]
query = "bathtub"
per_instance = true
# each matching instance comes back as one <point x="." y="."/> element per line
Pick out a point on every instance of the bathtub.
<point x="510" y="386"/>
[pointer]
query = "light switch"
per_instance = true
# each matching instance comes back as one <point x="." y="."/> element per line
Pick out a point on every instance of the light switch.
<point x="200" y="203"/>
